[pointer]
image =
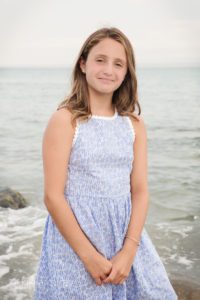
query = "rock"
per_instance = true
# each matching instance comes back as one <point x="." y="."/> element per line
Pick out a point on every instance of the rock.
<point x="12" y="199"/>
<point x="186" y="290"/>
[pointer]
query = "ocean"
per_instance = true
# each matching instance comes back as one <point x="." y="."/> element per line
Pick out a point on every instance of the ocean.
<point x="169" y="98"/>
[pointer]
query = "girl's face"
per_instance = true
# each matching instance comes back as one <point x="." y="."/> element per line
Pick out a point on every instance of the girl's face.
<point x="105" y="67"/>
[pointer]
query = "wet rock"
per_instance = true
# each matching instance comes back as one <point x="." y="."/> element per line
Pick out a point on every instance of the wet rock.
<point x="186" y="290"/>
<point x="12" y="199"/>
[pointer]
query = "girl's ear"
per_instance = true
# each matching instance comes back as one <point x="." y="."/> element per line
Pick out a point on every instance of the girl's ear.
<point x="82" y="65"/>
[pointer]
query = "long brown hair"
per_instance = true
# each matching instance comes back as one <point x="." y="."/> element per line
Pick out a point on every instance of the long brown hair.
<point x="125" y="98"/>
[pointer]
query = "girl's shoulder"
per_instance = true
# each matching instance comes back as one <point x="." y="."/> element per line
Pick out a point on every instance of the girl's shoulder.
<point x="59" y="130"/>
<point x="61" y="116"/>
<point x="62" y="112"/>
<point x="59" y="121"/>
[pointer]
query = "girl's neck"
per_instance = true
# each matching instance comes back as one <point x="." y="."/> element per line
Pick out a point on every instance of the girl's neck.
<point x="107" y="117"/>
<point x="103" y="111"/>
<point x="101" y="105"/>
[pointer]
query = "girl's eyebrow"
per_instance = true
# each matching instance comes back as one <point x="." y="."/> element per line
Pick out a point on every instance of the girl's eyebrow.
<point x="116" y="58"/>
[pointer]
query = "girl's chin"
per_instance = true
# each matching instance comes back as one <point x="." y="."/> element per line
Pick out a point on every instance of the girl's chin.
<point x="103" y="89"/>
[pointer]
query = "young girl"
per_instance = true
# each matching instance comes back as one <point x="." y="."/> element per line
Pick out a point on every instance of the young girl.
<point x="94" y="246"/>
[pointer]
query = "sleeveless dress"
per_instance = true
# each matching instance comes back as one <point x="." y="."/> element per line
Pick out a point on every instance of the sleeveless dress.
<point x="98" y="192"/>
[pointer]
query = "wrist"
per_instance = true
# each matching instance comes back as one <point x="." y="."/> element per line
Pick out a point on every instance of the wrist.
<point x="87" y="254"/>
<point x="133" y="239"/>
<point x="129" y="247"/>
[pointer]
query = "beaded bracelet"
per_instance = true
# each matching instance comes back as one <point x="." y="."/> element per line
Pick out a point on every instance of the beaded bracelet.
<point x="133" y="239"/>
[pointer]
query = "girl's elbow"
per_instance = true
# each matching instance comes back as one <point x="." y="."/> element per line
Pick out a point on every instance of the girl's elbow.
<point x="140" y="189"/>
<point x="141" y="193"/>
<point x="50" y="198"/>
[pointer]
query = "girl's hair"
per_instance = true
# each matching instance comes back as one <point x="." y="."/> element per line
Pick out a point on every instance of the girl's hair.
<point x="125" y="98"/>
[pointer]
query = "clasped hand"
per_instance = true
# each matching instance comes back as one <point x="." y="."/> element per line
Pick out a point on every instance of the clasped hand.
<point x="115" y="270"/>
<point x="121" y="266"/>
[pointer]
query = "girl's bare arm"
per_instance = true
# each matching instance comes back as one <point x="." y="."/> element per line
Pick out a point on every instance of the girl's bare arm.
<point x="139" y="187"/>
<point x="56" y="147"/>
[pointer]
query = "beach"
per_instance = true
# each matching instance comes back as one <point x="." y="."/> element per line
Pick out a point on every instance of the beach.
<point x="29" y="97"/>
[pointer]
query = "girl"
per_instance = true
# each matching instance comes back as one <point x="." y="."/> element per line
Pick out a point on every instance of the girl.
<point x="94" y="246"/>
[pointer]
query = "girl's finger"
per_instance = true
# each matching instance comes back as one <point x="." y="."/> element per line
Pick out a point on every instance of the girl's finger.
<point x="102" y="277"/>
<point x="107" y="279"/>
<point x="98" y="281"/>
<point x="122" y="281"/>
<point x="119" y="280"/>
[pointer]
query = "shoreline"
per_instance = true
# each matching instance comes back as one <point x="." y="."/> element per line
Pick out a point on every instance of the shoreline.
<point x="186" y="290"/>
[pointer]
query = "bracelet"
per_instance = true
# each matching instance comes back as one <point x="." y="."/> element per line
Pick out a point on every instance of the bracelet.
<point x="133" y="239"/>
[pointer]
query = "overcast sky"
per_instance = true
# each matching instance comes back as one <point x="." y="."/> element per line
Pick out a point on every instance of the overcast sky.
<point x="47" y="33"/>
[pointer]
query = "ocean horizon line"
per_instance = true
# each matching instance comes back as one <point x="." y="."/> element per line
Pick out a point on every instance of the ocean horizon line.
<point x="142" y="66"/>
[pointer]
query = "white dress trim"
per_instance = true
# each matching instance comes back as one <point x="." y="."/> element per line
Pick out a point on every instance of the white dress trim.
<point x="75" y="133"/>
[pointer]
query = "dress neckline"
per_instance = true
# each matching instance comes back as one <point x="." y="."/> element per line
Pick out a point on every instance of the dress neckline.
<point x="105" y="117"/>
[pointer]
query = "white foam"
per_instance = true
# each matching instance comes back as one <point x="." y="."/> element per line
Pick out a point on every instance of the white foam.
<point x="18" y="289"/>
<point x="9" y="249"/>
<point x="18" y="230"/>
<point x="170" y="227"/>
<point x="182" y="231"/>
<point x="5" y="239"/>
<point x="185" y="261"/>
<point x="4" y="270"/>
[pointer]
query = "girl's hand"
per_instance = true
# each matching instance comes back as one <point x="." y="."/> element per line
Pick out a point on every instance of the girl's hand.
<point x="98" y="266"/>
<point x="121" y="266"/>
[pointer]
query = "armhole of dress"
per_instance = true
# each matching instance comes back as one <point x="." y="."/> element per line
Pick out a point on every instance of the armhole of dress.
<point x="75" y="133"/>
<point x="131" y="127"/>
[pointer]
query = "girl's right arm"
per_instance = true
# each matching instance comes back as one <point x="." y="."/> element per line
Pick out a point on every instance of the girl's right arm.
<point x="56" y="148"/>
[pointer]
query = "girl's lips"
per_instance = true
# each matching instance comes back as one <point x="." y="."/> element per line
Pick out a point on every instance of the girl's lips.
<point x="106" y="79"/>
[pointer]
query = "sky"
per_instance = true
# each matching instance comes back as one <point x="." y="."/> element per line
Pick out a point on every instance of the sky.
<point x="47" y="33"/>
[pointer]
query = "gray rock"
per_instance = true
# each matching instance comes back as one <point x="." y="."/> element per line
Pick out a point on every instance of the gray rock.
<point x="12" y="199"/>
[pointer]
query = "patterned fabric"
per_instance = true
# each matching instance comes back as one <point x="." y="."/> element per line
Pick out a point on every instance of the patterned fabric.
<point x="98" y="191"/>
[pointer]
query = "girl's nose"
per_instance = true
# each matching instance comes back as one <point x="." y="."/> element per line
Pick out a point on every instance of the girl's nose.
<point x="108" y="69"/>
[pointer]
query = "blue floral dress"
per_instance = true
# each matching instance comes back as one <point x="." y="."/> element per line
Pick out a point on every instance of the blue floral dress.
<point x="98" y="192"/>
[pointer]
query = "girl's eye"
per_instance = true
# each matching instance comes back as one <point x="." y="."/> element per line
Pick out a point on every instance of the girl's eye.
<point x="101" y="60"/>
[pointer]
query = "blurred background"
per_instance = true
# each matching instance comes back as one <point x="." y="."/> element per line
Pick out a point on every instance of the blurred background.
<point x="40" y="41"/>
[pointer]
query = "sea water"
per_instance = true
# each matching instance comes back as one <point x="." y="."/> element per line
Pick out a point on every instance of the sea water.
<point x="169" y="99"/>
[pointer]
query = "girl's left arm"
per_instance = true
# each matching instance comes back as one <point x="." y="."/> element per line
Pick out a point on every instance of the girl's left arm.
<point x="139" y="188"/>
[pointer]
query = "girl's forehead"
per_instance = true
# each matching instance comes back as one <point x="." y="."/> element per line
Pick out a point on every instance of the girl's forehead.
<point x="109" y="47"/>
